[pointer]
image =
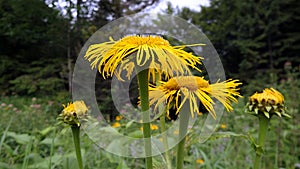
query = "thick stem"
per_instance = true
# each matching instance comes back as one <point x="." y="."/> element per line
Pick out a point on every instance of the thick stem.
<point x="162" y="120"/>
<point x="144" y="98"/>
<point x="263" y="128"/>
<point x="76" y="138"/>
<point x="183" y="125"/>
<point x="164" y="137"/>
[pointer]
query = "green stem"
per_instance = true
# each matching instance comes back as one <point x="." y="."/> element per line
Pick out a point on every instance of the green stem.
<point x="162" y="120"/>
<point x="164" y="137"/>
<point x="144" y="98"/>
<point x="183" y="125"/>
<point x="263" y="128"/>
<point x="76" y="138"/>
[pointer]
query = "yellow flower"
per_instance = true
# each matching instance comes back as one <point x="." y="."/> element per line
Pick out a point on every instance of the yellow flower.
<point x="269" y="102"/>
<point x="73" y="112"/>
<point x="192" y="88"/>
<point x="223" y="126"/>
<point x="152" y="127"/>
<point x="116" y="125"/>
<point x="200" y="161"/>
<point x="130" y="52"/>
<point x="118" y="118"/>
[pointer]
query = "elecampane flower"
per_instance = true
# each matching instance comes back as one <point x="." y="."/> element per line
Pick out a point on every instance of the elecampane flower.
<point x="148" y="51"/>
<point x="73" y="112"/>
<point x="118" y="118"/>
<point x="116" y="125"/>
<point x="152" y="127"/>
<point x="193" y="88"/>
<point x="268" y="102"/>
<point x="223" y="126"/>
<point x="200" y="161"/>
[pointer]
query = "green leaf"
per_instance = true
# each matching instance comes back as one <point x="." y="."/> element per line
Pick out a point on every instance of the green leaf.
<point x="122" y="165"/>
<point x="268" y="108"/>
<point x="129" y="124"/>
<point x="136" y="134"/>
<point x="50" y="141"/>
<point x="47" y="130"/>
<point x="250" y="107"/>
<point x="267" y="114"/>
<point x="259" y="150"/>
<point x="286" y="115"/>
<point x="20" y="138"/>
<point x="279" y="114"/>
<point x="256" y="110"/>
<point x="56" y="160"/>
<point x="4" y="134"/>
<point x="8" y="149"/>
<point x="5" y="165"/>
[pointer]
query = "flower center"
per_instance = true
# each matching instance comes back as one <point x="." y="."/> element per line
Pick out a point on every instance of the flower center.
<point x="192" y="83"/>
<point x="268" y="96"/>
<point x="144" y="40"/>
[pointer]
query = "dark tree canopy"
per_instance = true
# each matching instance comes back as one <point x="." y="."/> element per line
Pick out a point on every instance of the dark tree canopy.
<point x="254" y="39"/>
<point x="40" y="39"/>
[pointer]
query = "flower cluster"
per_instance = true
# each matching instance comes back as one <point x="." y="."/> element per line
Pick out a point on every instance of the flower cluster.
<point x="268" y="102"/>
<point x="152" y="56"/>
<point x="137" y="52"/>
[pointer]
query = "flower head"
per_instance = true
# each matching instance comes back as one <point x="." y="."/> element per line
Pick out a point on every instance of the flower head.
<point x="116" y="125"/>
<point x="118" y="118"/>
<point x="269" y="102"/>
<point x="152" y="127"/>
<point x="223" y="126"/>
<point x="130" y="52"/>
<point x="73" y="112"/>
<point x="192" y="88"/>
<point x="199" y="161"/>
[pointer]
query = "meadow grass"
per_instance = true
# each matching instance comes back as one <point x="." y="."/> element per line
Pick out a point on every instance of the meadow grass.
<point x="30" y="138"/>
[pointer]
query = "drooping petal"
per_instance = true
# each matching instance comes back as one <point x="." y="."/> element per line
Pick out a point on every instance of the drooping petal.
<point x="193" y="88"/>
<point x="152" y="51"/>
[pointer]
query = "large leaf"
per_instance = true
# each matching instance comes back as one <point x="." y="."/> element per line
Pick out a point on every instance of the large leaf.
<point x="20" y="138"/>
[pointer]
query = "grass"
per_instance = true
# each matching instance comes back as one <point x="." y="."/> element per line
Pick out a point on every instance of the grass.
<point x="30" y="138"/>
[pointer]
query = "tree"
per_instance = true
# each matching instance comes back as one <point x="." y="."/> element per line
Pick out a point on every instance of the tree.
<point x="254" y="38"/>
<point x="109" y="10"/>
<point x="30" y="35"/>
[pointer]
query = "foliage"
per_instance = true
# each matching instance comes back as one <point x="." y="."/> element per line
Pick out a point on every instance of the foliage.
<point x="35" y="141"/>
<point x="42" y="34"/>
<point x="254" y="42"/>
<point x="31" y="38"/>
<point x="39" y="79"/>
